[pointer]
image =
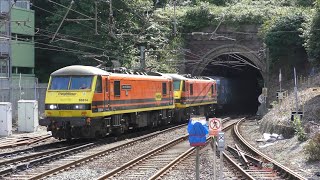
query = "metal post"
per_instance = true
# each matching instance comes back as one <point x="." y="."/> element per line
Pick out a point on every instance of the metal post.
<point x="197" y="163"/>
<point x="175" y="20"/>
<point x="142" y="58"/>
<point x="10" y="53"/>
<point x="96" y="16"/>
<point x="20" y="87"/>
<point x="36" y="89"/>
<point x="280" y="79"/>
<point x="221" y="165"/>
<point x="214" y="158"/>
<point x="64" y="17"/>
<point x="267" y="77"/>
<point x="295" y="89"/>
<point x="110" y="18"/>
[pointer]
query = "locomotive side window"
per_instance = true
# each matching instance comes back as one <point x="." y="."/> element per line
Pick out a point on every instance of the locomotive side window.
<point x="116" y="88"/>
<point x="98" y="85"/>
<point x="164" y="88"/>
<point x="212" y="89"/>
<point x="183" y="86"/>
<point x="107" y="85"/>
<point x="191" y="89"/>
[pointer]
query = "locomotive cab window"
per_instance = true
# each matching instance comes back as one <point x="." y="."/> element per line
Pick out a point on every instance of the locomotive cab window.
<point x="70" y="82"/>
<point x="117" y="88"/>
<point x="176" y="85"/>
<point x="191" y="89"/>
<point x="164" y="88"/>
<point x="80" y="82"/>
<point x="98" y="85"/>
<point x="59" y="83"/>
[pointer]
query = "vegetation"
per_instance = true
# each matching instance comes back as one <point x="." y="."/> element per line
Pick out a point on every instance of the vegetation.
<point x="312" y="35"/>
<point x="313" y="148"/>
<point x="120" y="34"/>
<point x="299" y="131"/>
<point x="149" y="23"/>
<point x="283" y="36"/>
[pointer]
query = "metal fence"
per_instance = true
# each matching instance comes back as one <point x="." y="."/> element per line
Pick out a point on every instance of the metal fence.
<point x="22" y="88"/>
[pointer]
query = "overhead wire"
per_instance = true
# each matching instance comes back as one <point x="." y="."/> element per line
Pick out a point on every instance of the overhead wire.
<point x="44" y="44"/>
<point x="61" y="16"/>
<point x="61" y="5"/>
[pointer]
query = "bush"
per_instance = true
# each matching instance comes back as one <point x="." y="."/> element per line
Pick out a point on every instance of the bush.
<point x="313" y="148"/>
<point x="283" y="38"/>
<point x="305" y="3"/>
<point x="299" y="131"/>
<point x="313" y="38"/>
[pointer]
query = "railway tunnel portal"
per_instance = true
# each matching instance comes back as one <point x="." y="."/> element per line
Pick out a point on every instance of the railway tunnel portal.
<point x="236" y="54"/>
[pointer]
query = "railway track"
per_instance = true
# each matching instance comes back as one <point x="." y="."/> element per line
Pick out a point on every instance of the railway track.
<point x="14" y="142"/>
<point x="47" y="163"/>
<point x="242" y="161"/>
<point x="259" y="165"/>
<point x="153" y="163"/>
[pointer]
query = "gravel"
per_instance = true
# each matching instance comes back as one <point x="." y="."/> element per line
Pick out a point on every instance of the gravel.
<point x="106" y="163"/>
<point x="288" y="152"/>
<point x="42" y="131"/>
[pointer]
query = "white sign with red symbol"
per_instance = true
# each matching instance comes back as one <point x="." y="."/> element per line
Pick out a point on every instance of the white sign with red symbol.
<point x="215" y="126"/>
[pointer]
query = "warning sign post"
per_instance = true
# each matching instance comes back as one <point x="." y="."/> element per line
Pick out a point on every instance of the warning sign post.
<point x="215" y="126"/>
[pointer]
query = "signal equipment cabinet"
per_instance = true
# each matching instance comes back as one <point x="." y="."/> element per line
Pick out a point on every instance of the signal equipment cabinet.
<point x="28" y="116"/>
<point x="5" y="119"/>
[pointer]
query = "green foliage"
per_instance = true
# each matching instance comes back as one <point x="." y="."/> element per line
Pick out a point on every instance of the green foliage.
<point x="217" y="2"/>
<point x="140" y="22"/>
<point x="117" y="42"/>
<point x="197" y="19"/>
<point x="299" y="131"/>
<point x="282" y="35"/>
<point x="305" y="3"/>
<point x="313" y="38"/>
<point x="312" y="149"/>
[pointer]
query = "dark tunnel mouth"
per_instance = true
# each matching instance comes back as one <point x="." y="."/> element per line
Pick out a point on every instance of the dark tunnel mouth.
<point x="245" y="83"/>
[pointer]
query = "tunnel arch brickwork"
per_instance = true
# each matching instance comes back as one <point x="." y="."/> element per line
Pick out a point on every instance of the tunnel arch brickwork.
<point x="203" y="47"/>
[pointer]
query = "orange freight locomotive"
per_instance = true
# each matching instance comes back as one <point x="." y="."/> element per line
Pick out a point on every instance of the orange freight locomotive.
<point x="88" y="102"/>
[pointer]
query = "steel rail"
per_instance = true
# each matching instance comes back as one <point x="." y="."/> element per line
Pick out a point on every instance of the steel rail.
<point x="146" y="155"/>
<point x="154" y="151"/>
<point x="106" y="151"/>
<point x="21" y="142"/>
<point x="276" y="165"/>
<point x="162" y="171"/>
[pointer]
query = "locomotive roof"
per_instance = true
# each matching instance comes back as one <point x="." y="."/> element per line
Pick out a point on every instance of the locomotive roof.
<point x="177" y="76"/>
<point x="79" y="70"/>
<point x="89" y="70"/>
<point x="181" y="77"/>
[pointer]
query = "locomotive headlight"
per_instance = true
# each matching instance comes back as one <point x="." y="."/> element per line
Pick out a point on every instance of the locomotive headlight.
<point x="53" y="107"/>
<point x="80" y="106"/>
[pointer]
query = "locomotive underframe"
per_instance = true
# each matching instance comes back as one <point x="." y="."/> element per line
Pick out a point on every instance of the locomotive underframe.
<point x="67" y="128"/>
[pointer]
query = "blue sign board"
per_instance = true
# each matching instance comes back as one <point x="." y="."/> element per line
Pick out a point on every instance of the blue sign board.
<point x="197" y="133"/>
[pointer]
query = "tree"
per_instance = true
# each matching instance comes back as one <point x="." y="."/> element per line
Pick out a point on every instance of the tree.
<point x="120" y="33"/>
<point x="305" y="3"/>
<point x="284" y="40"/>
<point x="218" y="2"/>
<point x="312" y="43"/>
